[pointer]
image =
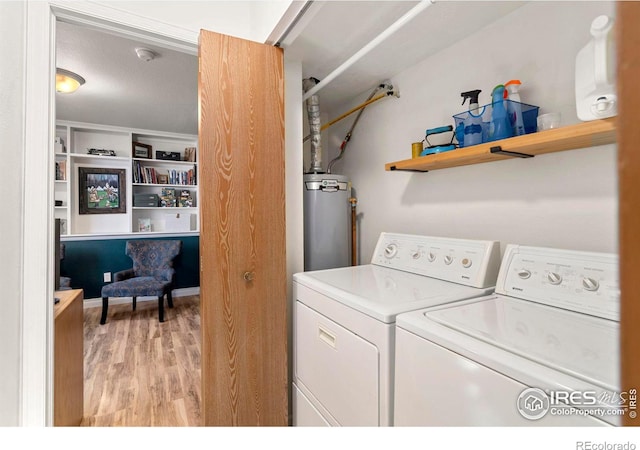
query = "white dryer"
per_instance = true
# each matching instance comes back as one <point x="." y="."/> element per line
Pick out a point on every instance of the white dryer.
<point x="542" y="350"/>
<point x="344" y="322"/>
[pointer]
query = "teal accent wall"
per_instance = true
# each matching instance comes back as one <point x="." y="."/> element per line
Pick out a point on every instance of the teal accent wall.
<point x="86" y="261"/>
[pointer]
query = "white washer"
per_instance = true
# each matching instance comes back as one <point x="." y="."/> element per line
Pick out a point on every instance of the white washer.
<point x="544" y="343"/>
<point x="344" y="319"/>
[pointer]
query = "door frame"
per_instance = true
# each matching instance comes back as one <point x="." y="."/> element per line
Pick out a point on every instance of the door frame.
<point x="36" y="364"/>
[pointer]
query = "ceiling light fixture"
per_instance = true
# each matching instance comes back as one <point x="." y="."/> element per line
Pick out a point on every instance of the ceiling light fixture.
<point x="67" y="81"/>
<point x="145" y="54"/>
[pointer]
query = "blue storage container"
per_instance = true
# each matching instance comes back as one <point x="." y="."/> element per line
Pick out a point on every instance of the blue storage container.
<point x="529" y="117"/>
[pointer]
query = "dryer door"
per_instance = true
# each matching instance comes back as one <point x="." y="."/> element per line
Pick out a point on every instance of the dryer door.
<point x="337" y="368"/>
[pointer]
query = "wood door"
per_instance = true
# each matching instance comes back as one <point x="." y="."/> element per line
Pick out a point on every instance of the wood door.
<point x="242" y="237"/>
<point x="628" y="39"/>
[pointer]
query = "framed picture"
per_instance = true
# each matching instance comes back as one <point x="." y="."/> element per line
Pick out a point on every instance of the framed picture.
<point x="141" y="150"/>
<point x="144" y="225"/>
<point x="163" y="179"/>
<point x="102" y="191"/>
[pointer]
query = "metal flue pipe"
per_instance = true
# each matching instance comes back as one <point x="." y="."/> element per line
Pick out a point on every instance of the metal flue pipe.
<point x="313" y="113"/>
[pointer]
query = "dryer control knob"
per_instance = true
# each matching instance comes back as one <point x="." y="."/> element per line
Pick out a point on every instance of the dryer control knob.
<point x="466" y="263"/>
<point x="415" y="254"/>
<point x="524" y="273"/>
<point x="390" y="251"/>
<point x="590" y="284"/>
<point x="554" y="278"/>
<point x="431" y="257"/>
<point x="448" y="260"/>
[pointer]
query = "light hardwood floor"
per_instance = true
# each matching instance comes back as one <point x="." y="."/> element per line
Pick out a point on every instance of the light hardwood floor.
<point x="139" y="372"/>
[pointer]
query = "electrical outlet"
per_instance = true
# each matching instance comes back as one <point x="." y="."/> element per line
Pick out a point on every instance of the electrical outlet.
<point x="107" y="277"/>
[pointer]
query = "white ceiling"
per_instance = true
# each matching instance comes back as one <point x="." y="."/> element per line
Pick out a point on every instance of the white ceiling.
<point x="122" y="89"/>
<point x="162" y="94"/>
<point x="340" y="28"/>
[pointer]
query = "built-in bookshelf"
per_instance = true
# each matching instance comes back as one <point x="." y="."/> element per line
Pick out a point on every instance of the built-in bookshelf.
<point x="114" y="180"/>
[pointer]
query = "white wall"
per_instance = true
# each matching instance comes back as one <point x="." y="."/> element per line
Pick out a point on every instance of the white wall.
<point x="565" y="200"/>
<point x="293" y="185"/>
<point x="265" y="15"/>
<point x="12" y="21"/>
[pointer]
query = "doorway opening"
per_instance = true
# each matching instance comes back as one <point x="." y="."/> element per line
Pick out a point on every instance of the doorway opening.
<point x="140" y="372"/>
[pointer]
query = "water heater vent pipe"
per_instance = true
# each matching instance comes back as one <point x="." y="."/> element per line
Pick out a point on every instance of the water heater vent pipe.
<point x="313" y="113"/>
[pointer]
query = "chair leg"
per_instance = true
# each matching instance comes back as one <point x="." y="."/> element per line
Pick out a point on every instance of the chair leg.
<point x="105" y="306"/>
<point x="169" y="298"/>
<point x="134" y="302"/>
<point x="161" y="308"/>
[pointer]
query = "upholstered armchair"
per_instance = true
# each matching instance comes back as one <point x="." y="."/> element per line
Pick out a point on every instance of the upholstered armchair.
<point x="65" y="282"/>
<point x="152" y="274"/>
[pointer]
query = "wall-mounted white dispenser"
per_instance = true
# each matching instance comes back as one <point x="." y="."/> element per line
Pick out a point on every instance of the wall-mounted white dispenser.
<point x="596" y="73"/>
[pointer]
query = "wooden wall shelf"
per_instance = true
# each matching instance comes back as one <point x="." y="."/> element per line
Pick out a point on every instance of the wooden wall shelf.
<point x="582" y="135"/>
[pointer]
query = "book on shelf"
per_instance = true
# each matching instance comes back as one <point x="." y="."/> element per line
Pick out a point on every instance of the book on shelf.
<point x="149" y="175"/>
<point x="185" y="200"/>
<point x="145" y="175"/>
<point x="183" y="178"/>
<point x="168" y="198"/>
<point x="61" y="170"/>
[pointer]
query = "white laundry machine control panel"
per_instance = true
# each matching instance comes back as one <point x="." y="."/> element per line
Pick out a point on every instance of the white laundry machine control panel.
<point x="578" y="281"/>
<point x="469" y="262"/>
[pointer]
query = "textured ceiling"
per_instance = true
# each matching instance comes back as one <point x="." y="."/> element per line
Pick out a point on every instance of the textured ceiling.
<point x="123" y="90"/>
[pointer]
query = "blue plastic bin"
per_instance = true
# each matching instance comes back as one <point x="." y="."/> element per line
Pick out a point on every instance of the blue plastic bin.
<point x="529" y="117"/>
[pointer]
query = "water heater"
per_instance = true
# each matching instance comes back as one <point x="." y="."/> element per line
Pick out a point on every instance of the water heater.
<point x="326" y="221"/>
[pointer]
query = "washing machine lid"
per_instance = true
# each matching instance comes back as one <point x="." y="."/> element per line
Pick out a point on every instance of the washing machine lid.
<point x="578" y="345"/>
<point x="383" y="293"/>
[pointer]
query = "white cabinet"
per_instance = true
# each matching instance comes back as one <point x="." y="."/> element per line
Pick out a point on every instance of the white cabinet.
<point x="152" y="188"/>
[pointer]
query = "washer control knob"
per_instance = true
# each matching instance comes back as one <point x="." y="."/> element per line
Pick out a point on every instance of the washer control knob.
<point x="524" y="273"/>
<point x="415" y="254"/>
<point x="390" y="251"/>
<point x="431" y="257"/>
<point x="466" y="263"/>
<point x="554" y="278"/>
<point x="448" y="259"/>
<point x="590" y="284"/>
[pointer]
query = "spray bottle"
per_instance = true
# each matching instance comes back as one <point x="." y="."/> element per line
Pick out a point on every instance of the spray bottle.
<point x="473" y="121"/>
<point x="500" y="127"/>
<point x="514" y="106"/>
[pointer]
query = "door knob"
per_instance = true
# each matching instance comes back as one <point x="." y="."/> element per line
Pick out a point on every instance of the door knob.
<point x="248" y="276"/>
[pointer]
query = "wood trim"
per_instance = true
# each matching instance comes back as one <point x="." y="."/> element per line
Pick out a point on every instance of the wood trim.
<point x="68" y="356"/>
<point x="628" y="43"/>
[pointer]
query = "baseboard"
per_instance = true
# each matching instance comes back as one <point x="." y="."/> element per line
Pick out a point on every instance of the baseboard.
<point x="97" y="302"/>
